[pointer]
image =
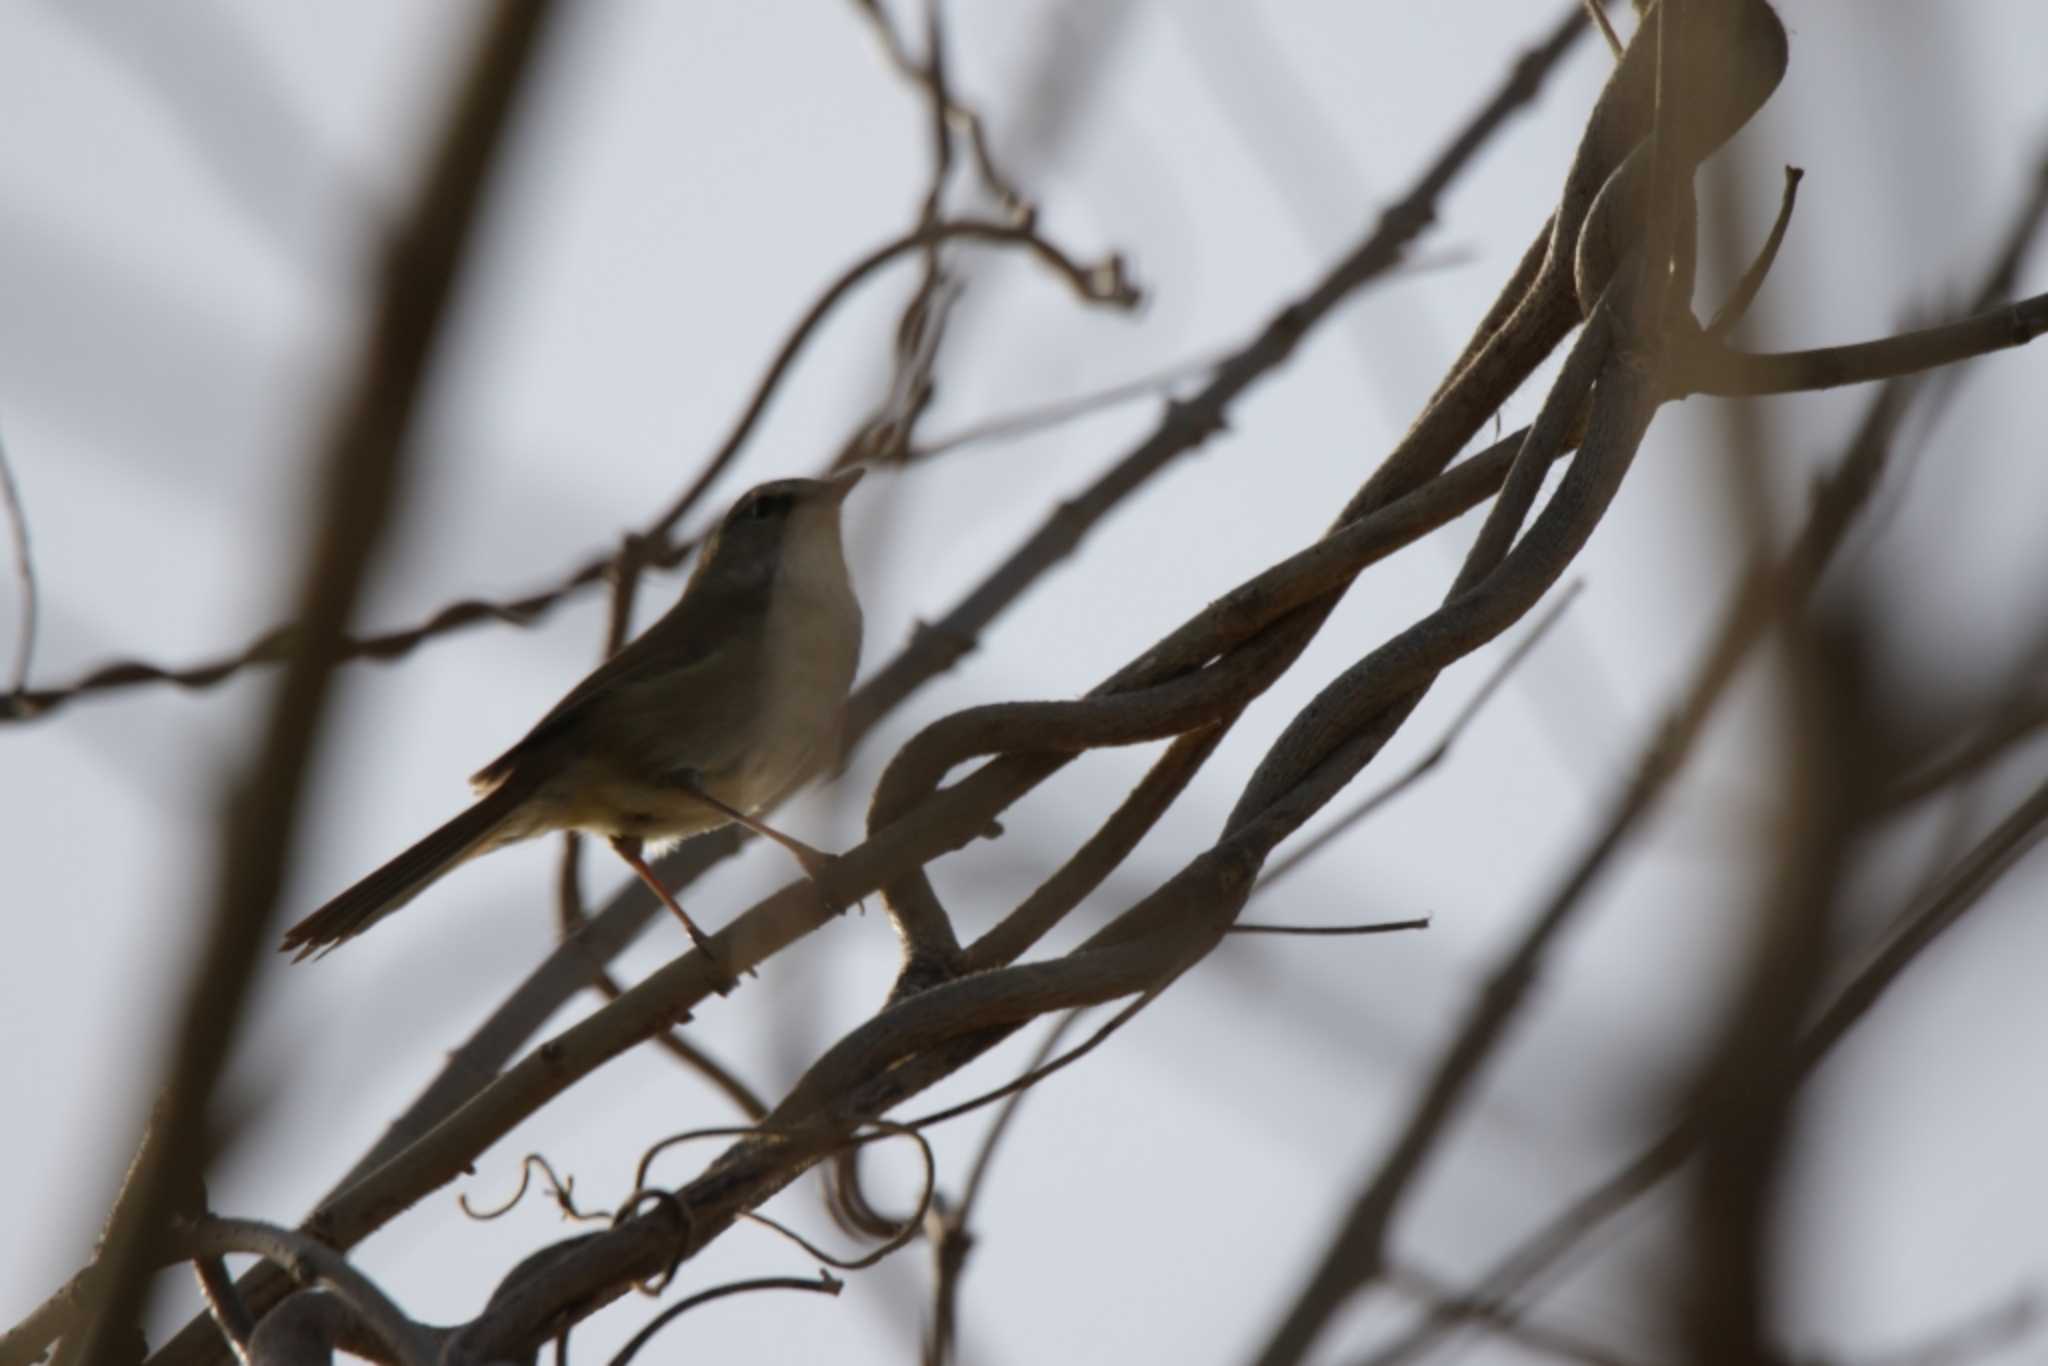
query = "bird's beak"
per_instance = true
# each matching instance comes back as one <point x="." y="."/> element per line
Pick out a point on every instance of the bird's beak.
<point x="843" y="482"/>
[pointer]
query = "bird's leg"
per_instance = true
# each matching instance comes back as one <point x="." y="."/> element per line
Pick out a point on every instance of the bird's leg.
<point x="816" y="863"/>
<point x="628" y="848"/>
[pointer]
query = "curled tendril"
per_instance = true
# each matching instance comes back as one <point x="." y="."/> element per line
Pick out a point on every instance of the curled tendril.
<point x="691" y="1136"/>
<point x="654" y="1285"/>
<point x="879" y="1130"/>
<point x="562" y="1190"/>
<point x="884" y="1129"/>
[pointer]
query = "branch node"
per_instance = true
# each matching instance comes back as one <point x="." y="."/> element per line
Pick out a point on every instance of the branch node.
<point x="1198" y="419"/>
<point x="950" y="644"/>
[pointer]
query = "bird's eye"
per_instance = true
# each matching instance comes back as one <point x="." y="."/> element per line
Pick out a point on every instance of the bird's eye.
<point x="766" y="506"/>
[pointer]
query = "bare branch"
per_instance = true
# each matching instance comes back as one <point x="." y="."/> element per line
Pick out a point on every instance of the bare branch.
<point x="1597" y="11"/>
<point x="310" y="1262"/>
<point x="1101" y="282"/>
<point x="1829" y="769"/>
<point x="2023" y="717"/>
<point x="366" y="450"/>
<point x="1430" y="760"/>
<point x="217" y="1288"/>
<point x="1713" y="369"/>
<point x="1966" y="883"/>
<point x="1614" y="257"/>
<point x="1358" y="1249"/>
<point x="935" y="1031"/>
<point x="936" y="648"/>
<point x="1440" y="1297"/>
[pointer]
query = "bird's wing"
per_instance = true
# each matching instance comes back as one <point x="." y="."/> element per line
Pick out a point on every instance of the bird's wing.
<point x="693" y="641"/>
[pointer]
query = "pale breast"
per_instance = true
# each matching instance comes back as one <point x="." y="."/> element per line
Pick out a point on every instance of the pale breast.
<point x="813" y="641"/>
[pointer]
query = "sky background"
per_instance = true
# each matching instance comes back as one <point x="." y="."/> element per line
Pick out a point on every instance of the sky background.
<point x="187" y="207"/>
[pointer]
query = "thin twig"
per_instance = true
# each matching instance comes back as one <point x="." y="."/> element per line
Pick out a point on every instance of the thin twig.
<point x="950" y="108"/>
<point x="920" y="331"/>
<point x="25" y="570"/>
<point x="1439" y="1295"/>
<point x="1736" y="306"/>
<point x="1597" y="9"/>
<point x="1376" y="927"/>
<point x="977" y="1171"/>
<point x="1436" y="754"/>
<point x="1103" y="282"/>
<point x="1099" y="855"/>
<point x="825" y="1284"/>
<point x="1027" y="421"/>
<point x="948" y="1229"/>
<point x="1038" y="1074"/>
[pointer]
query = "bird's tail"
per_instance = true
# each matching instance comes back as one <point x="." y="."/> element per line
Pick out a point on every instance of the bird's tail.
<point x="406" y="876"/>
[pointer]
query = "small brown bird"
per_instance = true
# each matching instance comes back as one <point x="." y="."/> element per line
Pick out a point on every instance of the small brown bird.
<point x="719" y="708"/>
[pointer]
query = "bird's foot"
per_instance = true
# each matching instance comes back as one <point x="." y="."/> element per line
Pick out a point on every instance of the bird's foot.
<point x="723" y="980"/>
<point x="824" y="871"/>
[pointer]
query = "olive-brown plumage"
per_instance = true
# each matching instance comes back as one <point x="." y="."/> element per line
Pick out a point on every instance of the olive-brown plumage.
<point x="716" y="710"/>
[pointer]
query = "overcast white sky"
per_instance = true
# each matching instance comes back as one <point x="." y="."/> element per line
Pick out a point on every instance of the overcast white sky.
<point x="186" y="198"/>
